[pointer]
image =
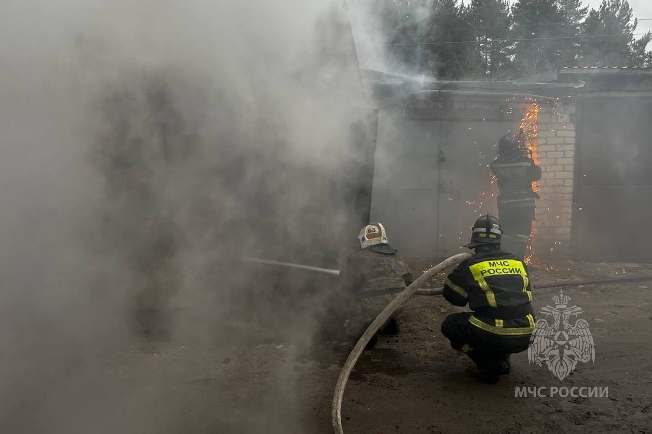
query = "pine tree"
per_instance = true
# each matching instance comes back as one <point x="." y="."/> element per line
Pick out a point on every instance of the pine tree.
<point x="609" y="37"/>
<point x="537" y="27"/>
<point x="573" y="13"/>
<point x="451" y="50"/>
<point x="488" y="40"/>
<point x="491" y="22"/>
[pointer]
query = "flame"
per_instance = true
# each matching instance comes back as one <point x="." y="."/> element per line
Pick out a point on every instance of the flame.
<point x="530" y="126"/>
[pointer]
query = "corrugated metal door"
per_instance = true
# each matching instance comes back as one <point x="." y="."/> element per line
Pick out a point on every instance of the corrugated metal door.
<point x="405" y="190"/>
<point x="613" y="194"/>
<point x="432" y="180"/>
<point x="466" y="188"/>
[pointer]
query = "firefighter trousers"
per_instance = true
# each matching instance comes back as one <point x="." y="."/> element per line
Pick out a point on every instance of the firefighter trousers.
<point x="488" y="351"/>
<point x="516" y="220"/>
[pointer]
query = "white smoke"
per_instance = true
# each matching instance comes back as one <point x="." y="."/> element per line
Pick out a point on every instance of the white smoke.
<point x="145" y="145"/>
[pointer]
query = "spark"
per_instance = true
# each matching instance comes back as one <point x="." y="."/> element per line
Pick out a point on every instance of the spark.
<point x="530" y="126"/>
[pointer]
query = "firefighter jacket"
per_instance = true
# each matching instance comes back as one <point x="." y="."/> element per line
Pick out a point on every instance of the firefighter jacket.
<point x="515" y="174"/>
<point x="497" y="289"/>
<point x="378" y="267"/>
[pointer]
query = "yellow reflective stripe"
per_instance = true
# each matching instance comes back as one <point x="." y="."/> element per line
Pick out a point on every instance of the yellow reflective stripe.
<point x="457" y="288"/>
<point x="498" y="267"/>
<point x="491" y="297"/>
<point x="511" y="331"/>
<point x="526" y="282"/>
<point x="499" y="323"/>
<point x="530" y="318"/>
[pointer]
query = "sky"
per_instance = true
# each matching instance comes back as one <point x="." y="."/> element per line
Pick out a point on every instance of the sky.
<point x="642" y="9"/>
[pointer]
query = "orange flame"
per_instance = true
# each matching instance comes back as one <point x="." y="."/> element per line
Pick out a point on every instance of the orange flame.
<point x="530" y="126"/>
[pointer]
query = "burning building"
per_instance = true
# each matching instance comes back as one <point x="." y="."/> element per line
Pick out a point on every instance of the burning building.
<point x="585" y="128"/>
<point x="432" y="177"/>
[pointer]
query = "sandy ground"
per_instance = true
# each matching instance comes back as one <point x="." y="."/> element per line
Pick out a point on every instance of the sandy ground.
<point x="419" y="385"/>
<point x="412" y="383"/>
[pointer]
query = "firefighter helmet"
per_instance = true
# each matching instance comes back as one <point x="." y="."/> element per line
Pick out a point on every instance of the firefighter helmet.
<point x="372" y="234"/>
<point x="507" y="144"/>
<point x="486" y="230"/>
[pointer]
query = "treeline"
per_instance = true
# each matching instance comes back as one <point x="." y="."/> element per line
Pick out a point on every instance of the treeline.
<point x="491" y="40"/>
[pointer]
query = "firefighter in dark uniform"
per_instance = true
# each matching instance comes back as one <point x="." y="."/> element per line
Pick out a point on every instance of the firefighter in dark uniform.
<point x="515" y="172"/>
<point x="376" y="267"/>
<point x="496" y="287"/>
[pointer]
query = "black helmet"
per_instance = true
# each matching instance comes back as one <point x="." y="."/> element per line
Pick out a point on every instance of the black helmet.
<point x="486" y="230"/>
<point x="507" y="144"/>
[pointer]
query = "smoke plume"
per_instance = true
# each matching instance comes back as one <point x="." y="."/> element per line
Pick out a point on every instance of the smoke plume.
<point x="147" y="145"/>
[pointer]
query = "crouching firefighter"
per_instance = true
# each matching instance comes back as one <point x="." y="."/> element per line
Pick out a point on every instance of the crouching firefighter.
<point x="496" y="287"/>
<point x="370" y="279"/>
<point x="515" y="172"/>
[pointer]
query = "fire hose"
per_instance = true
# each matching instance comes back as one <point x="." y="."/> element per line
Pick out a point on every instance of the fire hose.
<point x="536" y="287"/>
<point x="401" y="298"/>
<point x="438" y="291"/>
<point x="336" y="415"/>
<point x="287" y="264"/>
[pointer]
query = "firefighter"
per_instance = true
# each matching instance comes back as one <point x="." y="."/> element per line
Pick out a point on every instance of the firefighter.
<point x="496" y="287"/>
<point x="376" y="267"/>
<point x="515" y="172"/>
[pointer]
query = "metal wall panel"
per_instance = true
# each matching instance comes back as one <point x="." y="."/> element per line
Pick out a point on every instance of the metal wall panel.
<point x="432" y="180"/>
<point x="409" y="217"/>
<point x="406" y="153"/>
<point x="405" y="188"/>
<point x="613" y="224"/>
<point x="616" y="134"/>
<point x="465" y="178"/>
<point x="613" y="194"/>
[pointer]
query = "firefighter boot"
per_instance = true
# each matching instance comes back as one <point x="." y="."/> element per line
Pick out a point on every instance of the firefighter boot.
<point x="489" y="368"/>
<point x="505" y="365"/>
<point x="489" y="375"/>
<point x="391" y="327"/>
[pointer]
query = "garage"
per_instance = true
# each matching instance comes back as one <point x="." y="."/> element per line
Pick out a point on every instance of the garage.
<point x="431" y="174"/>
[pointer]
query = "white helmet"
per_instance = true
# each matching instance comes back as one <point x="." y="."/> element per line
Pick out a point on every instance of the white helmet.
<point x="371" y="235"/>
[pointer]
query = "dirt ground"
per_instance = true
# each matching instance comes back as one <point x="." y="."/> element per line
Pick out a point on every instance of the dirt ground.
<point x="417" y="384"/>
<point x="411" y="383"/>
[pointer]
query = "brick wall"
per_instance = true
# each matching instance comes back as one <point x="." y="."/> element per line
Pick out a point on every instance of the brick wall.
<point x="556" y="156"/>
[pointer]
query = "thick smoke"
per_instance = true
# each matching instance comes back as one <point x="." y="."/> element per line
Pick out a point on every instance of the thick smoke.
<point x="380" y="29"/>
<point x="147" y="145"/>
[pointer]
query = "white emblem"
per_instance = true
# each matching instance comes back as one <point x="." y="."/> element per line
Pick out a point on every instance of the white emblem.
<point x="561" y="345"/>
